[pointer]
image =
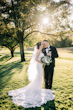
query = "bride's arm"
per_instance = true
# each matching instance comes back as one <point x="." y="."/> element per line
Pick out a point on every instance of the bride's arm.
<point x="37" y="56"/>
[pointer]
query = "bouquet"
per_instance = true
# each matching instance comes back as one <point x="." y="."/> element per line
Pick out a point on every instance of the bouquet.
<point x="46" y="60"/>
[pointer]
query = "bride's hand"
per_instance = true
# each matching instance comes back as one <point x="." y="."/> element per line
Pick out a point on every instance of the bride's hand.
<point x="43" y="63"/>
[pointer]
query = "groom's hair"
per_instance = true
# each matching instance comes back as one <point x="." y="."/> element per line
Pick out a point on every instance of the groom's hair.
<point x="45" y="40"/>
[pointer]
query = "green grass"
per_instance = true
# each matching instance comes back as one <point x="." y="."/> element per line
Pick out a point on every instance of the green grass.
<point x="65" y="55"/>
<point x="13" y="75"/>
<point x="63" y="84"/>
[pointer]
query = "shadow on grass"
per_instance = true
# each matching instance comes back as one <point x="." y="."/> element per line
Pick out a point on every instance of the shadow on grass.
<point x="19" y="53"/>
<point x="5" y="58"/>
<point x="6" y="72"/>
<point x="50" y="105"/>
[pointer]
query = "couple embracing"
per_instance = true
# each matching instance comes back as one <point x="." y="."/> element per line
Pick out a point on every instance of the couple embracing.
<point x="33" y="95"/>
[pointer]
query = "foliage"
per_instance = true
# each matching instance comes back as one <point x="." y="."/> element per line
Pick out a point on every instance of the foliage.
<point x="32" y="40"/>
<point x="26" y="16"/>
<point x="7" y="39"/>
<point x="59" y="43"/>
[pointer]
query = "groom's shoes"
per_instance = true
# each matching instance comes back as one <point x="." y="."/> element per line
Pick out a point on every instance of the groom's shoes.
<point x="48" y="86"/>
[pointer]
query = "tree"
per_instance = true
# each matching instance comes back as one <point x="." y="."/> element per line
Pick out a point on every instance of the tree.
<point x="61" y="25"/>
<point x="10" y="44"/>
<point x="7" y="40"/>
<point x="25" y="15"/>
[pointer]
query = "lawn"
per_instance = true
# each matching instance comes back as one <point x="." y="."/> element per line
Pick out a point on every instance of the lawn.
<point x="13" y="75"/>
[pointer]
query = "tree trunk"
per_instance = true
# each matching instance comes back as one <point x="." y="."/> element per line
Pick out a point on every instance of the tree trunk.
<point x="22" y="52"/>
<point x="12" y="53"/>
<point x="20" y="34"/>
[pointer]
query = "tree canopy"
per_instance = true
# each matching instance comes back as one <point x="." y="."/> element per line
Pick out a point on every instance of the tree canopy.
<point x="27" y="16"/>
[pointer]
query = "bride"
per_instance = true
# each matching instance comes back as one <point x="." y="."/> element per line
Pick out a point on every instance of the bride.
<point x="33" y="95"/>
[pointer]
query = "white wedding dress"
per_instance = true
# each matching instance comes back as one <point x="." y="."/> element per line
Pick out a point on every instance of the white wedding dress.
<point x="32" y="95"/>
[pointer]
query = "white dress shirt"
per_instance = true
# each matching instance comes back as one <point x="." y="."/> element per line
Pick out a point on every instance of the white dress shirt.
<point x="47" y="49"/>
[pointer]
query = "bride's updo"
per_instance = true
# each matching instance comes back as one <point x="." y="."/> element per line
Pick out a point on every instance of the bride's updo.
<point x="38" y="45"/>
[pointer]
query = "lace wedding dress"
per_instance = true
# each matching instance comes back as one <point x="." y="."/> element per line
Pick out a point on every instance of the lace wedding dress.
<point x="32" y="95"/>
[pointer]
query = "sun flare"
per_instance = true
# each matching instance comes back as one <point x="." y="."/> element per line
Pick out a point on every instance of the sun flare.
<point x="45" y="20"/>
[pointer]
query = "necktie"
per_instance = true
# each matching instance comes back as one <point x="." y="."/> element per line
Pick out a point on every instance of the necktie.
<point x="45" y="51"/>
<point x="46" y="48"/>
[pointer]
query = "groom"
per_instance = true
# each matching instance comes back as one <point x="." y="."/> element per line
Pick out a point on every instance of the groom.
<point x="49" y="70"/>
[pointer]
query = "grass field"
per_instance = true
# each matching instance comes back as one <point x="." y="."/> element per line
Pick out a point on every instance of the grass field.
<point x="13" y="75"/>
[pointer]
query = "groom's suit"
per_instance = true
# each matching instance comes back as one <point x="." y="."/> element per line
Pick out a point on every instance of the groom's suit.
<point x="49" y="70"/>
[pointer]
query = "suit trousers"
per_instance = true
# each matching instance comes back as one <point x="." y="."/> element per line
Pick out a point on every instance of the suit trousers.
<point x="48" y="75"/>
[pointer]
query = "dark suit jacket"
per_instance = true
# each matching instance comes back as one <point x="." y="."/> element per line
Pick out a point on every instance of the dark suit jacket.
<point x="53" y="56"/>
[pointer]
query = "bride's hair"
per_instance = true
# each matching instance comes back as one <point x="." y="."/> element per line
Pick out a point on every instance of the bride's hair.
<point x="38" y="45"/>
